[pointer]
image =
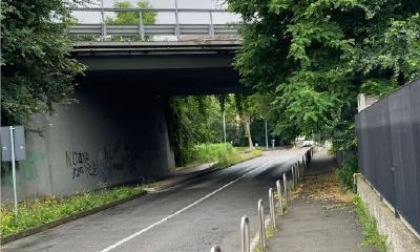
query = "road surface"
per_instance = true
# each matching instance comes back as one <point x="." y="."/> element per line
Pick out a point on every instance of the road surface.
<point x="193" y="216"/>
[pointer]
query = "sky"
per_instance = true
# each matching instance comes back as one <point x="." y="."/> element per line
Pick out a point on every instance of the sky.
<point x="168" y="18"/>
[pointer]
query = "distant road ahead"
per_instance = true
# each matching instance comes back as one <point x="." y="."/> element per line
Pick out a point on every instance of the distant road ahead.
<point x="193" y="216"/>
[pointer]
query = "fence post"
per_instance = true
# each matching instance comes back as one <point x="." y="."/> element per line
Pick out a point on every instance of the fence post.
<point x="103" y="31"/>
<point x="177" y="28"/>
<point x="286" y="194"/>
<point x="272" y="208"/>
<point x="216" y="249"/>
<point x="141" y="26"/>
<point x="211" y="32"/>
<point x="261" y="224"/>
<point x="280" y="197"/>
<point x="245" y="237"/>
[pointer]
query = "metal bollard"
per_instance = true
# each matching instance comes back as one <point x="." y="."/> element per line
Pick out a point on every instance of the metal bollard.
<point x="298" y="169"/>
<point x="216" y="249"/>
<point x="272" y="208"/>
<point x="280" y="197"/>
<point x="263" y="243"/>
<point x="293" y="177"/>
<point x="245" y="238"/>
<point x="286" y="195"/>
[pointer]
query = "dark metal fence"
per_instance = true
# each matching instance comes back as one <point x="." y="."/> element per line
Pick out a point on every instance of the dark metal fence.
<point x="389" y="150"/>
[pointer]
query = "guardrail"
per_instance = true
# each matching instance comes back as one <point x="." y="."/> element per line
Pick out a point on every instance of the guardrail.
<point x="282" y="199"/>
<point x="145" y="31"/>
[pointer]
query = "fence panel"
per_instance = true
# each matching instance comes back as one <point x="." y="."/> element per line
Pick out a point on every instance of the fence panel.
<point x="389" y="150"/>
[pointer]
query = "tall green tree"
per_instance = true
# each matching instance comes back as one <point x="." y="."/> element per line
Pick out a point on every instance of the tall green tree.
<point x="315" y="56"/>
<point x="129" y="17"/>
<point x="37" y="69"/>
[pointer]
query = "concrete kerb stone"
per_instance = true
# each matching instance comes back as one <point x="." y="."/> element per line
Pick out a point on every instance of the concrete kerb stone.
<point x="194" y="175"/>
<point x="64" y="220"/>
<point x="399" y="236"/>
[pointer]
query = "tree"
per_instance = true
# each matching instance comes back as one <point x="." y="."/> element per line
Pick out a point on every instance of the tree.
<point x="193" y="120"/>
<point x="36" y="66"/>
<point x="314" y="57"/>
<point x="133" y="18"/>
<point x="129" y="17"/>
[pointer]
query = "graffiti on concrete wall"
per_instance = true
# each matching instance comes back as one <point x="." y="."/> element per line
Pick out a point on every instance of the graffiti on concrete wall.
<point x="113" y="158"/>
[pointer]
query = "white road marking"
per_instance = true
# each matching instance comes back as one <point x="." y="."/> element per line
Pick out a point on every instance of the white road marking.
<point x="128" y="238"/>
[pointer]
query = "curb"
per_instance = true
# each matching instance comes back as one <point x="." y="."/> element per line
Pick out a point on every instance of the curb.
<point x="66" y="219"/>
<point x="194" y="176"/>
<point x="186" y="178"/>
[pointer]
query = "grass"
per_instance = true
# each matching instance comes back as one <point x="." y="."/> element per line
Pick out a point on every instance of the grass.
<point x="41" y="211"/>
<point x="206" y="153"/>
<point x="371" y="236"/>
<point x="269" y="233"/>
<point x="221" y="154"/>
<point x="230" y="158"/>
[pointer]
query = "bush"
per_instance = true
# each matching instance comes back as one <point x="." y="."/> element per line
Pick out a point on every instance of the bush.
<point x="345" y="173"/>
<point x="204" y="153"/>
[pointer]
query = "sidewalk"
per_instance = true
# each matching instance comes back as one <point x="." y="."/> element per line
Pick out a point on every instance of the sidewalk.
<point x="320" y="218"/>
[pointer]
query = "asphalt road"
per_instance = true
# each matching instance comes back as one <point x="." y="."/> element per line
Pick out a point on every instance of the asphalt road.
<point x="193" y="216"/>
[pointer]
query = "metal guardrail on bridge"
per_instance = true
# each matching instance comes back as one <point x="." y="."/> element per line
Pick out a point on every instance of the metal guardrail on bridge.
<point x="102" y="28"/>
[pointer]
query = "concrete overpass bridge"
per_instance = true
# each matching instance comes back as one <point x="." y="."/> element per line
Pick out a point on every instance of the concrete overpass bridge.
<point x="117" y="132"/>
<point x="165" y="68"/>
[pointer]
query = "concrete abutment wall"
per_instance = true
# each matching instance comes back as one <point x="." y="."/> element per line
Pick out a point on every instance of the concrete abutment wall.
<point x="399" y="237"/>
<point x="112" y="136"/>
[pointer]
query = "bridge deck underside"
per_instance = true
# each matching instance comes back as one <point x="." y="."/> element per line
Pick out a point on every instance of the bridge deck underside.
<point x="194" y="81"/>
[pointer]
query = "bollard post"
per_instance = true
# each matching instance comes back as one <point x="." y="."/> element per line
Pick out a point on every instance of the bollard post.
<point x="272" y="208"/>
<point x="216" y="249"/>
<point x="280" y="197"/>
<point x="286" y="194"/>
<point x="354" y="183"/>
<point x="261" y="224"/>
<point x="298" y="169"/>
<point x="293" y="177"/>
<point x="245" y="237"/>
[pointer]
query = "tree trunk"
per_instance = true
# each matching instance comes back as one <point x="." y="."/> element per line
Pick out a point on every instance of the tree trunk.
<point x="247" y="123"/>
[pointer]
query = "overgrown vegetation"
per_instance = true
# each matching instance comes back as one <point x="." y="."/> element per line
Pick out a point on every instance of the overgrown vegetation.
<point x="41" y="211"/>
<point x="196" y="125"/>
<point x="36" y="67"/>
<point x="346" y="171"/>
<point x="221" y="154"/>
<point x="370" y="233"/>
<point x="312" y="58"/>
<point x="228" y="159"/>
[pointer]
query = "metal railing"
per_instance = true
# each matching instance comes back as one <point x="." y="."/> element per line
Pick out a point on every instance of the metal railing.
<point x="146" y="31"/>
<point x="282" y="196"/>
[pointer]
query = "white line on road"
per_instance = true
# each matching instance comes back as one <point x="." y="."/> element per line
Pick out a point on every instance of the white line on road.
<point x="128" y="238"/>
